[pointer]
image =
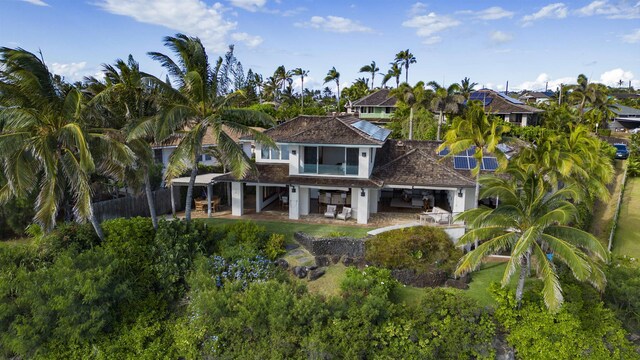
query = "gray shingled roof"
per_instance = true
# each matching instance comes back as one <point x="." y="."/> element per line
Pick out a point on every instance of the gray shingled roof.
<point x="334" y="130"/>
<point x="378" y="98"/>
<point x="499" y="105"/>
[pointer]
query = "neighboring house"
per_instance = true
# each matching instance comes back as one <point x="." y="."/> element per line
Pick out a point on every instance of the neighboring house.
<point x="344" y="160"/>
<point x="627" y="118"/>
<point x="509" y="109"/>
<point x="162" y="152"/>
<point x="536" y="97"/>
<point x="377" y="107"/>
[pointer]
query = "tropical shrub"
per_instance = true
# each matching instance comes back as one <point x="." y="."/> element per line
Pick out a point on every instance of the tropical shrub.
<point x="421" y="248"/>
<point x="583" y="328"/>
<point x="275" y="246"/>
<point x="622" y="294"/>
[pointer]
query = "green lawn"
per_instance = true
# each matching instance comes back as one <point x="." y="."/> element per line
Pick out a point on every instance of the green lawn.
<point x="627" y="238"/>
<point x="288" y="228"/>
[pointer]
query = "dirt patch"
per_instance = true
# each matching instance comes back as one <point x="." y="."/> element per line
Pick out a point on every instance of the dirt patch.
<point x="603" y="213"/>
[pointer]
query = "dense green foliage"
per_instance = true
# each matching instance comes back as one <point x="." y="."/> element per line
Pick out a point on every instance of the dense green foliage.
<point x="583" y="328"/>
<point x="623" y="289"/>
<point x="420" y="248"/>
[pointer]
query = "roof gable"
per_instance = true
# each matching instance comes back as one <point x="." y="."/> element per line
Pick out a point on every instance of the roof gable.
<point x="337" y="130"/>
<point x="498" y="104"/>
<point x="381" y="97"/>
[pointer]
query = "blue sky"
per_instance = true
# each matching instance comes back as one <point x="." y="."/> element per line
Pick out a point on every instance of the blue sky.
<point x="527" y="43"/>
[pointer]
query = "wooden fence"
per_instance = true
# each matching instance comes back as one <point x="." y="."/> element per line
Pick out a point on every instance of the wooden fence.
<point x="131" y="206"/>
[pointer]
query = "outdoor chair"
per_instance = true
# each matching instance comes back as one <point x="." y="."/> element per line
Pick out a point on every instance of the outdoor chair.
<point x="331" y="211"/>
<point x="345" y="214"/>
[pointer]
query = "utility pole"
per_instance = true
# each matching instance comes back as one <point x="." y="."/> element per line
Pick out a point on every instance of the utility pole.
<point x="560" y="97"/>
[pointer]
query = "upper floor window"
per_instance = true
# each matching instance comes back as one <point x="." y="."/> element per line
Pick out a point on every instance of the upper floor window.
<point x="279" y="153"/>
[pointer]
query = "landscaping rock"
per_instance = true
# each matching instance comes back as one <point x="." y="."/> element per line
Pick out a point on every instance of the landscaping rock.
<point x="282" y="263"/>
<point x="300" y="271"/>
<point x="458" y="284"/>
<point x="323" y="260"/>
<point x="503" y="350"/>
<point x="426" y="278"/>
<point x="335" y="259"/>
<point x="290" y="247"/>
<point x="347" y="260"/>
<point x="316" y="273"/>
<point x="312" y="267"/>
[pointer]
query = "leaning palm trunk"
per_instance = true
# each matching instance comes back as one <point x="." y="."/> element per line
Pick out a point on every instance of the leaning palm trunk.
<point x="96" y="224"/>
<point x="192" y="182"/>
<point x="150" y="201"/>
<point x="476" y="200"/>
<point x="524" y="272"/>
<point x="301" y="94"/>
<point x="439" y="126"/>
<point x="411" y="124"/>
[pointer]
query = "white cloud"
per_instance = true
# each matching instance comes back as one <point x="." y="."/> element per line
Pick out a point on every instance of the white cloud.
<point x="612" y="77"/>
<point x="249" y="40"/>
<point x="633" y="37"/>
<point x="417" y="9"/>
<point x="499" y="37"/>
<point x="36" y="2"/>
<point x="551" y="11"/>
<point x="335" y="24"/>
<point x="429" y="25"/>
<point x="543" y="80"/>
<point x="249" y="5"/>
<point x="193" y="17"/>
<point x="493" y="13"/>
<point x="619" y="10"/>
<point x="71" y="71"/>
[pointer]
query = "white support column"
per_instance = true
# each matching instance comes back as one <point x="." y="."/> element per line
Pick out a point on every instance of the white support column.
<point x="305" y="200"/>
<point x="237" y="198"/>
<point x="209" y="191"/>
<point x="374" y="197"/>
<point x="259" y="197"/>
<point x="173" y="201"/>
<point x="294" y="202"/>
<point x="363" y="205"/>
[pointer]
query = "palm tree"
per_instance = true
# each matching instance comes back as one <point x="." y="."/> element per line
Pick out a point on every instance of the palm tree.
<point x="372" y="69"/>
<point x="405" y="58"/>
<point x="194" y="108"/>
<point x="126" y="95"/>
<point x="394" y="72"/>
<point x="475" y="131"/>
<point x="602" y="107"/>
<point x="533" y="224"/>
<point x="334" y="75"/>
<point x="45" y="143"/>
<point x="467" y="87"/>
<point x="446" y="100"/>
<point x="302" y="74"/>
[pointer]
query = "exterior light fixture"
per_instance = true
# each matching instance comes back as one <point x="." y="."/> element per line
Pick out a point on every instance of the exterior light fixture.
<point x="362" y="192"/>
<point x="293" y="152"/>
<point x="460" y="192"/>
<point x="293" y="189"/>
<point x="364" y="154"/>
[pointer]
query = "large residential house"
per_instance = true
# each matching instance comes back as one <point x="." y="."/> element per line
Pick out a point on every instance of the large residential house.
<point x="350" y="163"/>
<point x="377" y="107"/>
<point x="627" y="118"/>
<point x="536" y="97"/>
<point x="509" y="109"/>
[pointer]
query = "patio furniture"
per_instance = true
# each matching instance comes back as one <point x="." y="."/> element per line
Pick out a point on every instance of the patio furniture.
<point x="426" y="218"/>
<point x="441" y="216"/>
<point x="331" y="211"/>
<point x="345" y="214"/>
<point x="285" y="202"/>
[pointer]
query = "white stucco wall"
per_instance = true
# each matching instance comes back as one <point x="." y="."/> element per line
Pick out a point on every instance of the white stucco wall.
<point x="237" y="197"/>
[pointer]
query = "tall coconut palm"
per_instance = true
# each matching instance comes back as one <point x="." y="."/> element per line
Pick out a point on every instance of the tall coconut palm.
<point x="446" y="100"/>
<point x="479" y="132"/>
<point x="394" y="72"/>
<point x="194" y="108"/>
<point x="415" y="97"/>
<point x="467" y="87"/>
<point x="46" y="144"/>
<point x="602" y="107"/>
<point x="128" y="96"/>
<point x="334" y="75"/>
<point x="372" y="69"/>
<point x="302" y="74"/>
<point x="534" y="225"/>
<point x="405" y="58"/>
<point x="583" y="93"/>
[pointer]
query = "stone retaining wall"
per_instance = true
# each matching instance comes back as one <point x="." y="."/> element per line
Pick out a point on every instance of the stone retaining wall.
<point x="331" y="246"/>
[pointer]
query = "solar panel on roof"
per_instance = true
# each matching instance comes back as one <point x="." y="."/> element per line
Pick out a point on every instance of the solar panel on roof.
<point x="510" y="99"/>
<point x="470" y="151"/>
<point x="504" y="148"/>
<point x="489" y="163"/>
<point x="472" y="163"/>
<point x="461" y="162"/>
<point x="372" y="130"/>
<point x="444" y="152"/>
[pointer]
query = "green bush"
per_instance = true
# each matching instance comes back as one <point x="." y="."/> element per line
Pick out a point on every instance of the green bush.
<point x="275" y="246"/>
<point x="622" y="294"/>
<point x="371" y="280"/>
<point x="583" y="328"/>
<point x="242" y="239"/>
<point x="420" y="248"/>
<point x="72" y="237"/>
